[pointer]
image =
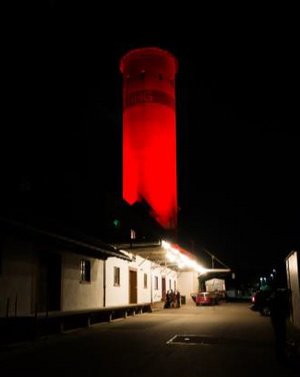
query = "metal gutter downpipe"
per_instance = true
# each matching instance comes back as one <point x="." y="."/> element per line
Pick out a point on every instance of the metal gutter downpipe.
<point x="104" y="283"/>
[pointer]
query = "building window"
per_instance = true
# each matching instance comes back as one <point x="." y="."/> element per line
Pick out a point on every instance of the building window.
<point x="170" y="284"/>
<point x="85" y="270"/>
<point x="145" y="281"/>
<point x="156" y="283"/>
<point x="117" y="276"/>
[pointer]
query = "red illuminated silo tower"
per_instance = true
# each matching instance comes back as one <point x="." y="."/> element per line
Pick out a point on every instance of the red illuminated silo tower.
<point x="149" y="132"/>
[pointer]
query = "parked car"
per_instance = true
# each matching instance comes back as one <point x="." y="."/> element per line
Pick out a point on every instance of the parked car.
<point x="261" y="302"/>
<point x="206" y="298"/>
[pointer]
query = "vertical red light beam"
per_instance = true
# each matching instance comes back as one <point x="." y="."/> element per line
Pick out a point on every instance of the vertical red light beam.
<point x="149" y="132"/>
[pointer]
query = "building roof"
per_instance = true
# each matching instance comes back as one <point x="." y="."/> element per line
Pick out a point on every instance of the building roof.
<point x="215" y="273"/>
<point x="70" y="238"/>
<point x="155" y="252"/>
<point x="152" y="251"/>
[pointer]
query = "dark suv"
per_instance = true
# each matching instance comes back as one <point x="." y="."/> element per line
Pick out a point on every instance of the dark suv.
<point x="261" y="302"/>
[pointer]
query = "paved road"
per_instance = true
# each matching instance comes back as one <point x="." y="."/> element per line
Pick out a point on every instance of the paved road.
<point x="226" y="340"/>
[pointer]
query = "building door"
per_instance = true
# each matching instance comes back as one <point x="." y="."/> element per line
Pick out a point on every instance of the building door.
<point x="163" y="288"/>
<point x="132" y="286"/>
<point x="49" y="283"/>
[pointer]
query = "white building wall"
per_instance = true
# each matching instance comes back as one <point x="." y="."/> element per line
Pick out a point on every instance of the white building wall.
<point x="188" y="283"/>
<point x="144" y="267"/>
<point x="116" y="295"/>
<point x="292" y="265"/>
<point x="156" y="283"/>
<point x="16" y="277"/>
<point x="78" y="295"/>
<point x="158" y="273"/>
<point x="119" y="295"/>
<point x="171" y="278"/>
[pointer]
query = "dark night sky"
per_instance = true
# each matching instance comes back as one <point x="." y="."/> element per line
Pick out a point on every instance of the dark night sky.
<point x="238" y="156"/>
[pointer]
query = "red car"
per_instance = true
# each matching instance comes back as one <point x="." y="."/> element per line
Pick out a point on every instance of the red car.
<point x="205" y="298"/>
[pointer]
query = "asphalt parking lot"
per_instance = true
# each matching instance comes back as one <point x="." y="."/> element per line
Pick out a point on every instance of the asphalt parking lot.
<point x="224" y="340"/>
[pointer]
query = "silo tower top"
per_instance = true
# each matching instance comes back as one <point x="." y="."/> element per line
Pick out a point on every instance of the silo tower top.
<point x="149" y="54"/>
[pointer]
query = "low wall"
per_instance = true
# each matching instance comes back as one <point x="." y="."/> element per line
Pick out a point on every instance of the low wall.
<point x="20" y="329"/>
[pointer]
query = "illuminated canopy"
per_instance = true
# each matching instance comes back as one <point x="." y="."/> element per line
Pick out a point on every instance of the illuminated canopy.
<point x="177" y="255"/>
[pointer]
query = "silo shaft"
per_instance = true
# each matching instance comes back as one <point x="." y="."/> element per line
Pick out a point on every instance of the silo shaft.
<point x="149" y="132"/>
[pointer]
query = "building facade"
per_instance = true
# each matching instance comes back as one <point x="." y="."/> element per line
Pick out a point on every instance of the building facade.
<point x="293" y="280"/>
<point x="45" y="272"/>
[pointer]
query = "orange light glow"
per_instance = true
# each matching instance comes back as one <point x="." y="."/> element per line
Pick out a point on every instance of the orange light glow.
<point x="149" y="132"/>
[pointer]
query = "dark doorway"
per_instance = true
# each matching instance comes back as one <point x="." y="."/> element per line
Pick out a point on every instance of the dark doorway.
<point x="132" y="286"/>
<point x="49" y="283"/>
<point x="163" y="288"/>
